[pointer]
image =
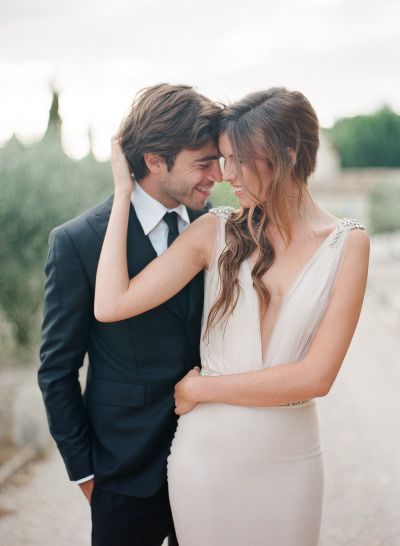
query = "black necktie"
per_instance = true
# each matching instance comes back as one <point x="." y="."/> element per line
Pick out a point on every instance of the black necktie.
<point x="171" y="219"/>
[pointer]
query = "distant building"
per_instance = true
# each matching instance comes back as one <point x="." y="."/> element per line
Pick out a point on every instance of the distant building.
<point x="345" y="192"/>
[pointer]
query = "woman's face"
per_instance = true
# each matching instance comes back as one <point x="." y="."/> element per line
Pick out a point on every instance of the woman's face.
<point x="252" y="186"/>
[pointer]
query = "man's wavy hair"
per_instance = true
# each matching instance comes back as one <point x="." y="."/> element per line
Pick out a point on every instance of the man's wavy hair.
<point x="281" y="128"/>
<point x="165" y="119"/>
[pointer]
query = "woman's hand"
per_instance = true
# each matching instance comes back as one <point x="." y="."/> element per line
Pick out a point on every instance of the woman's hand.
<point x="184" y="400"/>
<point x="123" y="182"/>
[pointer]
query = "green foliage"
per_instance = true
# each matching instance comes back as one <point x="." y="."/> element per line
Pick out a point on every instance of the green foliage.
<point x="40" y="187"/>
<point x="369" y="140"/>
<point x="222" y="194"/>
<point x="385" y="208"/>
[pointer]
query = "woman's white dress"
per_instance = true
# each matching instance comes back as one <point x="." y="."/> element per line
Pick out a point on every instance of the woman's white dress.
<point x="241" y="476"/>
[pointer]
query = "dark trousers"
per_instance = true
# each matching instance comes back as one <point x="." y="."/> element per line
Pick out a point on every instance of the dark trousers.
<point x="119" y="520"/>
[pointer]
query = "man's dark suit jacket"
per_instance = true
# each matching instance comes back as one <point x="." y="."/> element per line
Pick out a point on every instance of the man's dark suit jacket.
<point x="121" y="429"/>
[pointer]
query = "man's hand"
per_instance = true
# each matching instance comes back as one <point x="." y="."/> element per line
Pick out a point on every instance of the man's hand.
<point x="184" y="401"/>
<point x="87" y="489"/>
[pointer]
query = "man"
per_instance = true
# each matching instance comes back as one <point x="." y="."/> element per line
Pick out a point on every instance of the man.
<point x="115" y="439"/>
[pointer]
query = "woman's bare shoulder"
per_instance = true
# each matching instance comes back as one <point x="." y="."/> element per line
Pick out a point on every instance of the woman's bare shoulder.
<point x="203" y="232"/>
<point x="201" y="235"/>
<point x="356" y="254"/>
<point x="358" y="240"/>
<point x="206" y="223"/>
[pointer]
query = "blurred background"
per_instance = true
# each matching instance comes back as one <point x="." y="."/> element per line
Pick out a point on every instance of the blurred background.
<point x="68" y="73"/>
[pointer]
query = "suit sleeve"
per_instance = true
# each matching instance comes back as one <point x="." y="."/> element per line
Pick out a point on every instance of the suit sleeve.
<point x="68" y="311"/>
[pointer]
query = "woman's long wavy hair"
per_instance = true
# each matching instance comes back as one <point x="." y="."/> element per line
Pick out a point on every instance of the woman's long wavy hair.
<point x="281" y="128"/>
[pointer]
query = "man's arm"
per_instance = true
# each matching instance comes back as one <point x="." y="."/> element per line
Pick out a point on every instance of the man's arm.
<point x="68" y="312"/>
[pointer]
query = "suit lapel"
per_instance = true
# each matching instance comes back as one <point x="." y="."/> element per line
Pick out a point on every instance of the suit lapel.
<point x="139" y="249"/>
<point x="99" y="220"/>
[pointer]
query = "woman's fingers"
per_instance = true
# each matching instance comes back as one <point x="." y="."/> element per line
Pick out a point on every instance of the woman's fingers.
<point x="120" y="166"/>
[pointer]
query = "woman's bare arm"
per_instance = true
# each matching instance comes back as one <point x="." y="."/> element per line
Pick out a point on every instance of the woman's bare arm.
<point x="116" y="296"/>
<point x="310" y="377"/>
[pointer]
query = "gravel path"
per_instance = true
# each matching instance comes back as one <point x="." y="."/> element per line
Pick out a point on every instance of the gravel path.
<point x="360" y="422"/>
<point x="47" y="510"/>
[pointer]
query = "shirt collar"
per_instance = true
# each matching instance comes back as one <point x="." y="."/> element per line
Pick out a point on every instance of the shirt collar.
<point x="150" y="211"/>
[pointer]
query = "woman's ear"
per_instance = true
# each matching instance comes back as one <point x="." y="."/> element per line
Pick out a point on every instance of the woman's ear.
<point x="154" y="162"/>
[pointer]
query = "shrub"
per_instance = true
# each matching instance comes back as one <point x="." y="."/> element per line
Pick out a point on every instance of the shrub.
<point x="40" y="187"/>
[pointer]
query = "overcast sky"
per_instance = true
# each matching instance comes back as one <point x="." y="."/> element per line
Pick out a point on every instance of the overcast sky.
<point x="343" y="54"/>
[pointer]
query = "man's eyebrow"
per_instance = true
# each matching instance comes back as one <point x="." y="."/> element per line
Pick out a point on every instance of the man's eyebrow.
<point x="207" y="158"/>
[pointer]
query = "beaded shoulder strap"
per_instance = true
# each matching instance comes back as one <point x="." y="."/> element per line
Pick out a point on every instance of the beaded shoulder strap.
<point x="223" y="212"/>
<point x="346" y="224"/>
<point x="351" y="223"/>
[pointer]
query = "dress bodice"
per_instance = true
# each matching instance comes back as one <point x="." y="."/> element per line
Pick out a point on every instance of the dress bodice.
<point x="235" y="345"/>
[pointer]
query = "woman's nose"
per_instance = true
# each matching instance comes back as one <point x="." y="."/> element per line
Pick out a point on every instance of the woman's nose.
<point x="216" y="173"/>
<point x="228" y="175"/>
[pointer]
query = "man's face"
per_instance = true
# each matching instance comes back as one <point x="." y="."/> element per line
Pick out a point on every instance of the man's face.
<point x="192" y="177"/>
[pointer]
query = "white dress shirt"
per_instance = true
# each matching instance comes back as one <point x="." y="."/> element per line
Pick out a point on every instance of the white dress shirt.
<point x="150" y="214"/>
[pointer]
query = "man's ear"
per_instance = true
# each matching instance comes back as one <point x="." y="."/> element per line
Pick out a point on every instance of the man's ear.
<point x="154" y="162"/>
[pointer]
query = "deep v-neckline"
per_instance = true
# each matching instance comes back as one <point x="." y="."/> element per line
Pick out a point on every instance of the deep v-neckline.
<point x="285" y="298"/>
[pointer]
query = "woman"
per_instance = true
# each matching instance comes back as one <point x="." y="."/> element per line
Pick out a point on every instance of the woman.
<point x="284" y="287"/>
